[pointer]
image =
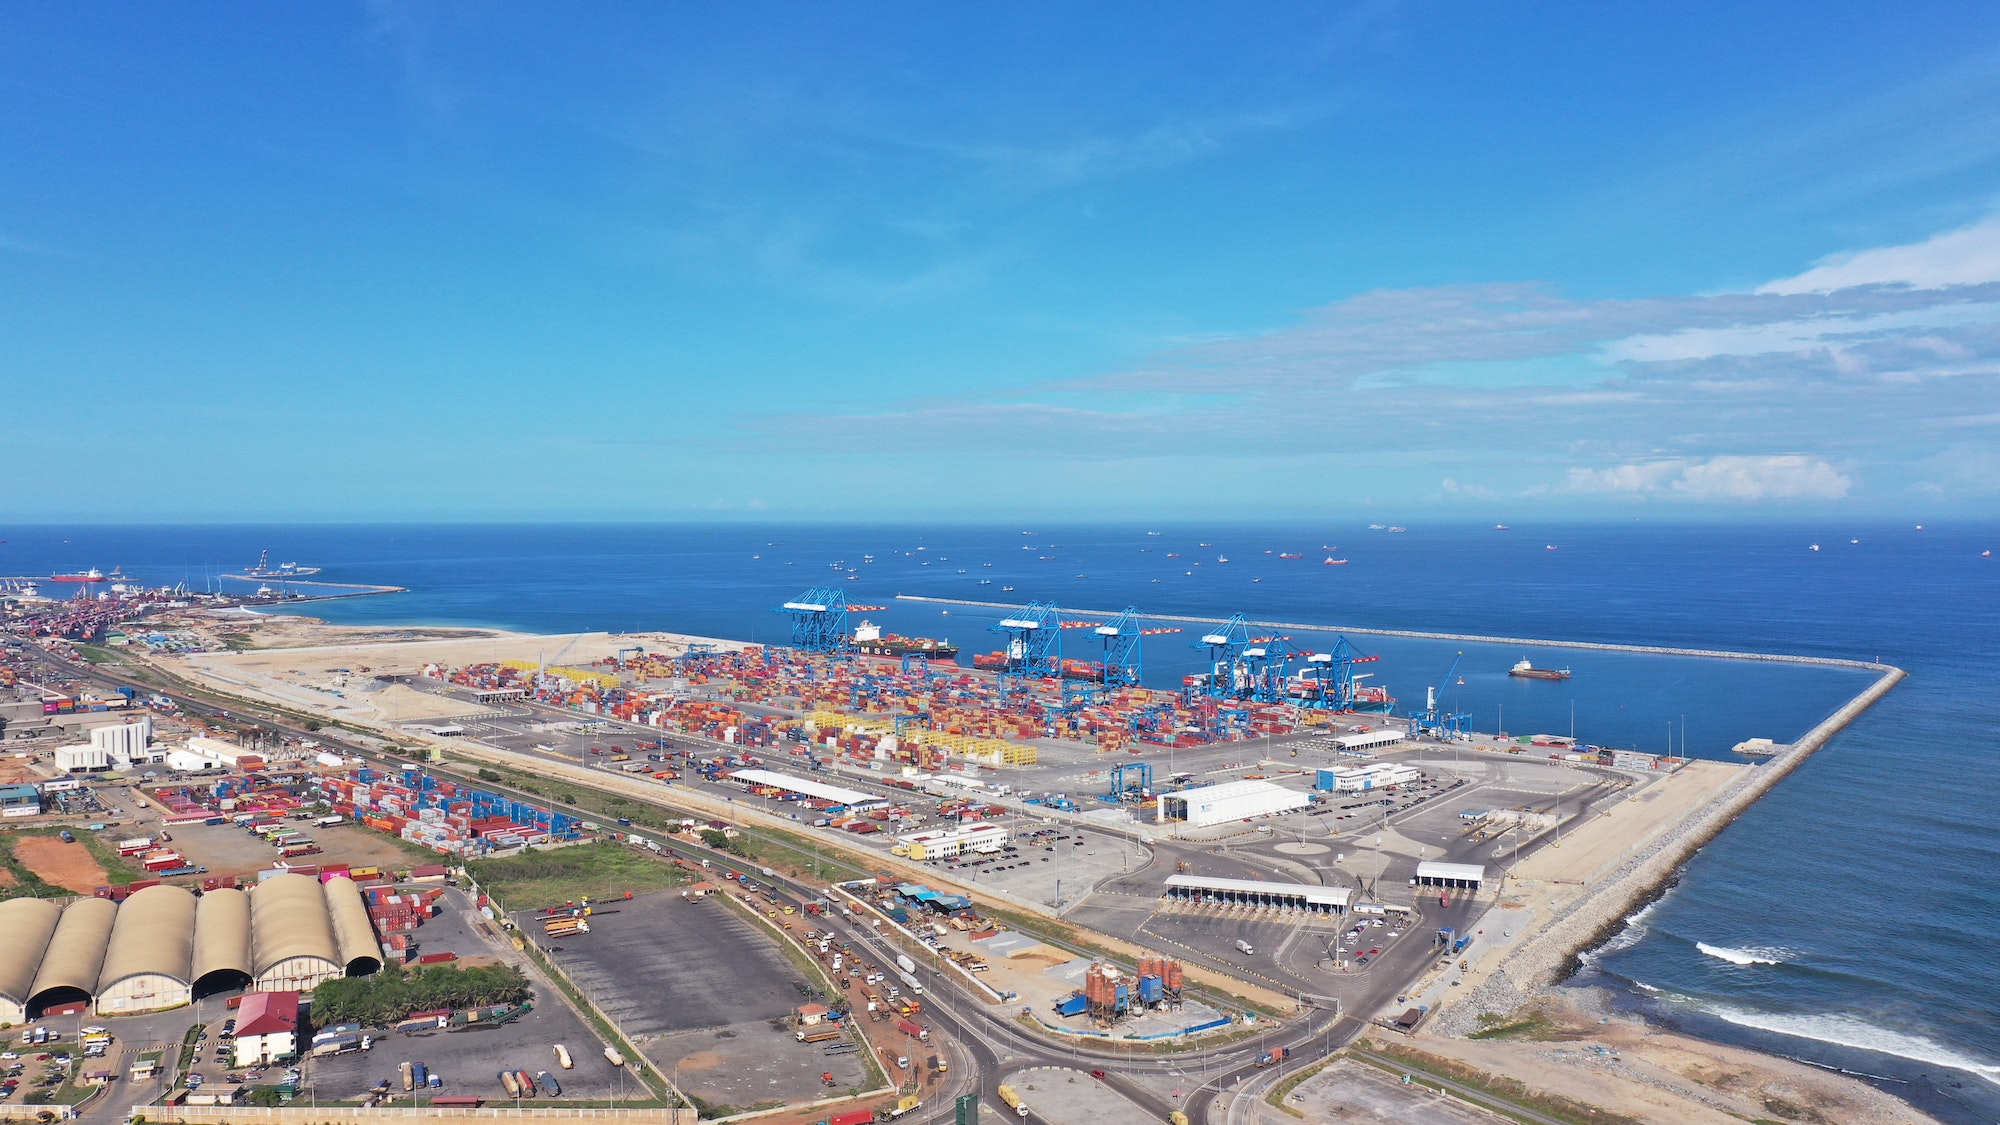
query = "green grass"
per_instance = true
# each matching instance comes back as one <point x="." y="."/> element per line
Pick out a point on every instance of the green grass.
<point x="27" y="884"/>
<point x="1276" y="1098"/>
<point x="1535" y="1025"/>
<point x="601" y="870"/>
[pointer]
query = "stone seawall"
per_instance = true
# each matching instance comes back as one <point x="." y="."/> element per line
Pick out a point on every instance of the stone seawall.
<point x="1599" y="911"/>
<point x="1467" y="638"/>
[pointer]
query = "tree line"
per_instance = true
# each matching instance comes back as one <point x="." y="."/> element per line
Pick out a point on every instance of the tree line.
<point x="395" y="992"/>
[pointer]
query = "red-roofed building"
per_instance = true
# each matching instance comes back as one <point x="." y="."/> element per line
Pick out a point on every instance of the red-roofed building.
<point x="267" y="1028"/>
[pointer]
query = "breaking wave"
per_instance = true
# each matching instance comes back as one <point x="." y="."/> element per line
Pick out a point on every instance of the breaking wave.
<point x="1845" y="1031"/>
<point x="1752" y="956"/>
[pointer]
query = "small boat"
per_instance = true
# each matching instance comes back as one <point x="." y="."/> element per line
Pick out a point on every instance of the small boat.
<point x="1814" y="547"/>
<point x="1528" y="671"/>
<point x="1284" y="555"/>
<point x="1331" y="561"/>
<point x="1501" y="527"/>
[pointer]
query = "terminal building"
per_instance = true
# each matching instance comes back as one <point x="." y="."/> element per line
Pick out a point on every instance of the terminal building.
<point x="951" y="843"/>
<point x="1248" y="892"/>
<point x="1432" y="873"/>
<point x="1231" y="800"/>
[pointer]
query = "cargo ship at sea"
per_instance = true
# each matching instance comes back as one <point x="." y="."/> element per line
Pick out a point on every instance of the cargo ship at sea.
<point x="869" y="640"/>
<point x="91" y="575"/>
<point x="1528" y="671"/>
<point x="264" y="569"/>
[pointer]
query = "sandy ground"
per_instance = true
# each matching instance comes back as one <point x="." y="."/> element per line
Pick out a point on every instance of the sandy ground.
<point x="16" y="770"/>
<point x="1593" y="849"/>
<point x="1659" y="1076"/>
<point x="70" y="866"/>
<point x="1544" y="881"/>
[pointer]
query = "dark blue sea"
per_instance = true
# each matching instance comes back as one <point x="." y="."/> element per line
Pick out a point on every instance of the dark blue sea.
<point x="1844" y="920"/>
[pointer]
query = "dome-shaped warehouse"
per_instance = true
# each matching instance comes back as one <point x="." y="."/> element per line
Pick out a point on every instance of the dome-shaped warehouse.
<point x="26" y="924"/>
<point x="75" y="954"/>
<point x="221" y="942"/>
<point x="353" y="933"/>
<point x="292" y="948"/>
<point x="149" y="962"/>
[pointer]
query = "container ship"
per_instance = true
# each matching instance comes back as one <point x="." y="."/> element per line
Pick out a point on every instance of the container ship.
<point x="869" y="640"/>
<point x="1528" y="671"/>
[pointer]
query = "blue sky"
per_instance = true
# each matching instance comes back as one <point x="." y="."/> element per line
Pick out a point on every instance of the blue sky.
<point x="432" y="261"/>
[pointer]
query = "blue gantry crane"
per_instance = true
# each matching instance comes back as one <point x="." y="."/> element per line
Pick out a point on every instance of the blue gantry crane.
<point x="1123" y="662"/>
<point x="1267" y="666"/>
<point x="819" y="620"/>
<point x="1440" y="724"/>
<point x="1131" y="781"/>
<point x="1227" y="676"/>
<point x="1034" y="645"/>
<point x="1333" y="674"/>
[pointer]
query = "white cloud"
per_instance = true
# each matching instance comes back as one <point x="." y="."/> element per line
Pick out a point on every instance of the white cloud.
<point x="1966" y="256"/>
<point x="1787" y="476"/>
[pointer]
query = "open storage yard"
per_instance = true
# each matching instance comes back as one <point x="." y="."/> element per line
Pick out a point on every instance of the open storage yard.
<point x="701" y="989"/>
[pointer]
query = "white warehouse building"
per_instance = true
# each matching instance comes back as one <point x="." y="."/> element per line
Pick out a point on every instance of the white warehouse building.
<point x="951" y="843"/>
<point x="1231" y="800"/>
<point x="126" y="744"/>
<point x="1369" y="739"/>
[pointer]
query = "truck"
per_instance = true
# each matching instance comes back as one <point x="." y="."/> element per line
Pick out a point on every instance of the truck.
<point x="550" y="1087"/>
<point x="329" y="821"/>
<point x="1274" y="1055"/>
<point x="513" y="1085"/>
<point x="1244" y="947"/>
<point x="904" y="963"/>
<point x="337" y="1045"/>
<point x="1013" y="1100"/>
<point x="562" y="1057"/>
<point x="528" y="1089"/>
<point x="172" y="872"/>
<point x="905" y="1104"/>
<point x="853" y="1117"/>
<point x="422" y="1075"/>
<point x="612" y="1056"/>
<point x="135" y="845"/>
<point x="914" y="1030"/>
<point x="409" y="1073"/>
<point x="567" y="927"/>
<point x="819" y="1034"/>
<point x="420" y="1023"/>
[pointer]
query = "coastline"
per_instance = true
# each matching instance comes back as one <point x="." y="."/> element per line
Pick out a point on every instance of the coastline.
<point x="1530" y="975"/>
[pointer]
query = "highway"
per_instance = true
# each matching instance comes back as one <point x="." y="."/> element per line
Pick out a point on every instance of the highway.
<point x="988" y="1033"/>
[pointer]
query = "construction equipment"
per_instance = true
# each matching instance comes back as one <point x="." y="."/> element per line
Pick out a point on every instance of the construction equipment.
<point x="1441" y="724"/>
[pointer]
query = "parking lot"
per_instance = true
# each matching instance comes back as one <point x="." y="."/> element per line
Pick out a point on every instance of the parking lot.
<point x="701" y="989"/>
<point x="469" y="1061"/>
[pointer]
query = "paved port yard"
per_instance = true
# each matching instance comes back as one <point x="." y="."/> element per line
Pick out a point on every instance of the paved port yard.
<point x="700" y="988"/>
<point x="470" y="1060"/>
<point x="1354" y="1091"/>
<point x="1062" y="1096"/>
<point x="230" y="849"/>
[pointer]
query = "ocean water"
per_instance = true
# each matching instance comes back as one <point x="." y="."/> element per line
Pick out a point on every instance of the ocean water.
<point x="1845" y="919"/>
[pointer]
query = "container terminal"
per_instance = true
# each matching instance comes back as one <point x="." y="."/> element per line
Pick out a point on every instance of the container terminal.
<point x="1267" y="831"/>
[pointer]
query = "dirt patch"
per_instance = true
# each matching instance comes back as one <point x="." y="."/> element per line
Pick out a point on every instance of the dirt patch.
<point x="13" y="771"/>
<point x="7" y="878"/>
<point x="703" y="1060"/>
<point x="69" y="866"/>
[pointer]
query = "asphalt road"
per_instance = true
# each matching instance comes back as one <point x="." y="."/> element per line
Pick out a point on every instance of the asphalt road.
<point x="986" y="1032"/>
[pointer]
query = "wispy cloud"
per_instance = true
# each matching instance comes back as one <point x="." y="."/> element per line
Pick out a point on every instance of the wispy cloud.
<point x="1770" y="477"/>
<point x="1680" y="398"/>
